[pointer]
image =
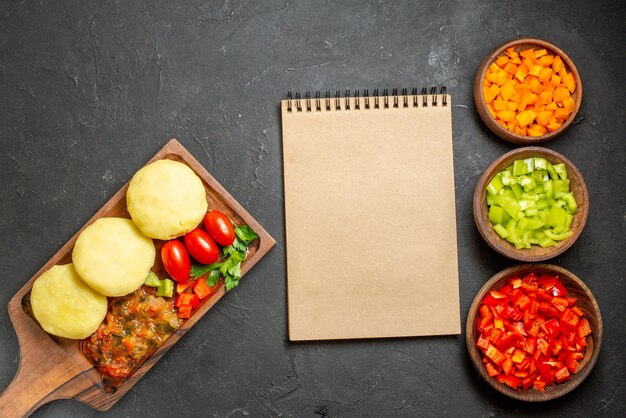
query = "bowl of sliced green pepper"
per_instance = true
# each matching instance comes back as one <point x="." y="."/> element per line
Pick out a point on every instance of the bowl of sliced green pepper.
<point x="531" y="204"/>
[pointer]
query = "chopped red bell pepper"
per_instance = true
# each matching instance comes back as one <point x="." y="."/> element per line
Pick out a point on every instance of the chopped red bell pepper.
<point x="184" y="311"/>
<point x="583" y="328"/>
<point x="562" y="375"/>
<point x="182" y="286"/>
<point x="545" y="372"/>
<point x="491" y="370"/>
<point x="482" y="343"/>
<point x="531" y="332"/>
<point x="511" y="381"/>
<point x="494" y="355"/>
<point x="187" y="299"/>
<point x="507" y="366"/>
<point x="559" y="303"/>
<point x="202" y="289"/>
<point x="552" y="328"/>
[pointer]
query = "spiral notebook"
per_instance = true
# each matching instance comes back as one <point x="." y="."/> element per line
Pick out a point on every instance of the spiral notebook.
<point x="370" y="215"/>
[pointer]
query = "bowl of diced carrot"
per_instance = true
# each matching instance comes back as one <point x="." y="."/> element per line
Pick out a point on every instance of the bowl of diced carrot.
<point x="528" y="91"/>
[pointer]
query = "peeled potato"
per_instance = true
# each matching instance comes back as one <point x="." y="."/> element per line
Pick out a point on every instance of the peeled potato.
<point x="64" y="305"/>
<point x="113" y="257"/>
<point x="166" y="199"/>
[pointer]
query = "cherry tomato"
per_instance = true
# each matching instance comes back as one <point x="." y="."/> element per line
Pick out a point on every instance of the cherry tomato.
<point x="219" y="227"/>
<point x="202" y="247"/>
<point x="176" y="260"/>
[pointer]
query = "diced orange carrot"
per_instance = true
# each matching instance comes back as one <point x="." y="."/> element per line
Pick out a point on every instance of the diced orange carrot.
<point x="555" y="80"/>
<point x="535" y="85"/>
<point x="546" y="60"/>
<point x="525" y="118"/>
<point x="540" y="53"/>
<point x="494" y="67"/>
<point x="511" y="125"/>
<point x="491" y="110"/>
<point x="528" y="53"/>
<point x="510" y="52"/>
<point x="557" y="64"/>
<point x="516" y="61"/>
<point x="522" y="88"/>
<point x="505" y="115"/>
<point x="493" y="77"/>
<point x="536" y="130"/>
<point x="501" y="61"/>
<point x="561" y="114"/>
<point x="498" y="103"/>
<point x="552" y="106"/>
<point x="512" y="106"/>
<point x="543" y="117"/>
<point x="491" y="93"/>
<point x="545" y="74"/>
<point x="570" y="82"/>
<point x="569" y="104"/>
<point x="535" y="70"/>
<point x="507" y="90"/>
<point x="553" y="127"/>
<point x="511" y="68"/>
<point x="503" y="124"/>
<point x="545" y="97"/>
<point x="521" y="73"/>
<point x="560" y="94"/>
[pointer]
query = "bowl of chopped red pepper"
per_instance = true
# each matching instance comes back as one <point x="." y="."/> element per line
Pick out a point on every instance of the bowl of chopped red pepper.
<point x="534" y="332"/>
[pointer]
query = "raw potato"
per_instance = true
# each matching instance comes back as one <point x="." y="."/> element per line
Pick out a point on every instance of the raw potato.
<point x="166" y="199"/>
<point x="113" y="257"/>
<point x="64" y="305"/>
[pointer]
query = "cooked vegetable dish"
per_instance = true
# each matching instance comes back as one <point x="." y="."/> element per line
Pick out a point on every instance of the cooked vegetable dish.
<point x="135" y="327"/>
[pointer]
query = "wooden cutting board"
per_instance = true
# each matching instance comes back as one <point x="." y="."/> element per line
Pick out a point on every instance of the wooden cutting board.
<point x="54" y="368"/>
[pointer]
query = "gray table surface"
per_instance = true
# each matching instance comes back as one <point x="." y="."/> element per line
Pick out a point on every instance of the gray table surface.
<point x="91" y="90"/>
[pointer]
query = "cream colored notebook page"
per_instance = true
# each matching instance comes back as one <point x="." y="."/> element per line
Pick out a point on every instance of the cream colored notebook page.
<point x="370" y="217"/>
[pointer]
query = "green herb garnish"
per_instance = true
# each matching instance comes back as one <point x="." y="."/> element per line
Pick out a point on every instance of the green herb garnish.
<point x="229" y="266"/>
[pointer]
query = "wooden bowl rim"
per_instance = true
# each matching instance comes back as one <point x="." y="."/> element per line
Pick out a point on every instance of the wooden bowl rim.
<point x="530" y="395"/>
<point x="481" y="105"/>
<point x="502" y="246"/>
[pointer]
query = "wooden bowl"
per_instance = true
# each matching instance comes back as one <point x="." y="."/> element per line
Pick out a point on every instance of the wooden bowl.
<point x="536" y="252"/>
<point x="481" y="105"/>
<point x="586" y="302"/>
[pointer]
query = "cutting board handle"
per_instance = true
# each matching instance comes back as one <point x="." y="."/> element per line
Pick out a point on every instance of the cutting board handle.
<point x="24" y="395"/>
<point x="43" y="370"/>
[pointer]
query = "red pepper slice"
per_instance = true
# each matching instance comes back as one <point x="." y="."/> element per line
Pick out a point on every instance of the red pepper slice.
<point x="559" y="303"/>
<point x="494" y="355"/>
<point x="184" y="311"/>
<point x="202" y="289"/>
<point x="187" y="299"/>
<point x="562" y="375"/>
<point x="552" y="328"/>
<point x="511" y="381"/>
<point x="489" y="300"/>
<point x="584" y="328"/>
<point x="545" y="372"/>
<point x="491" y="370"/>
<point x="482" y="343"/>
<point x="182" y="286"/>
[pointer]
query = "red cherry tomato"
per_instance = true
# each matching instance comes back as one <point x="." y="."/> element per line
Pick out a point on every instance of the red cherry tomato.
<point x="176" y="260"/>
<point x="202" y="247"/>
<point x="219" y="227"/>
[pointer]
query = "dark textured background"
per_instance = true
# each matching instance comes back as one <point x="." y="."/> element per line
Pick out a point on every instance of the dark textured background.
<point x="90" y="91"/>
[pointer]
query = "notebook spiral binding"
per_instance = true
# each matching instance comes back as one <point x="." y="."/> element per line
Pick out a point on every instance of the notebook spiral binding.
<point x="299" y="104"/>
